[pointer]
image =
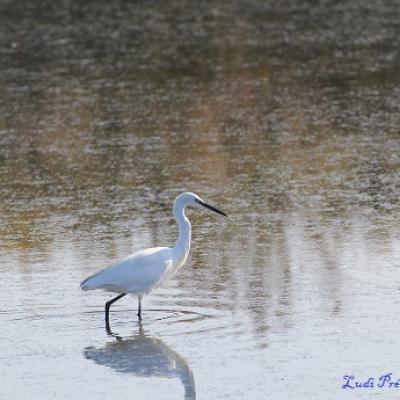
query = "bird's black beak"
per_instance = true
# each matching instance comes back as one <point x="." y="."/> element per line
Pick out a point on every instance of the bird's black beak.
<point x="211" y="207"/>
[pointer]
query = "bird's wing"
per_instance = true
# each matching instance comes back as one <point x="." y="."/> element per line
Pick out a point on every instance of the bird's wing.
<point x="137" y="273"/>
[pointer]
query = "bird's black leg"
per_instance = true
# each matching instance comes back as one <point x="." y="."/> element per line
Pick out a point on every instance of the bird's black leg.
<point x="140" y="308"/>
<point x="108" y="305"/>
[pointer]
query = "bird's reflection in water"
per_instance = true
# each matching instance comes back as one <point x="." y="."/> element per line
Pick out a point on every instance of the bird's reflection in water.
<point x="144" y="355"/>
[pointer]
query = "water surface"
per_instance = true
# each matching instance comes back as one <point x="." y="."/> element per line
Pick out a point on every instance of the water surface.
<point x="285" y="115"/>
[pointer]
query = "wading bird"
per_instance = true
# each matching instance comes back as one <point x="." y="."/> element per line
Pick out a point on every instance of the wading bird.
<point x="141" y="272"/>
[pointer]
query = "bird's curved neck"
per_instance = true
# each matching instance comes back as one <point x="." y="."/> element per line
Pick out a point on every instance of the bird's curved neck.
<point x="182" y="246"/>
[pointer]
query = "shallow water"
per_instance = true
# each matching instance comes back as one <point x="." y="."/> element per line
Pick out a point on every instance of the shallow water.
<point x="283" y="114"/>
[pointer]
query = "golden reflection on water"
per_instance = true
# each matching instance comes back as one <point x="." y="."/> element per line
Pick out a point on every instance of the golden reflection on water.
<point x="301" y="164"/>
<point x="284" y="190"/>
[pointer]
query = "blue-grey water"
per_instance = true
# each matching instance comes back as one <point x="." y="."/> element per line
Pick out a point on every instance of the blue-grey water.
<point x="283" y="114"/>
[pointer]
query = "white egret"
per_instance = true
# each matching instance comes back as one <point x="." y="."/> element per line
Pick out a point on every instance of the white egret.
<point x="141" y="272"/>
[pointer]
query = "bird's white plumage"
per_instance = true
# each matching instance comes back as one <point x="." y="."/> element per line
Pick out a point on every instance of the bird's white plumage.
<point x="138" y="273"/>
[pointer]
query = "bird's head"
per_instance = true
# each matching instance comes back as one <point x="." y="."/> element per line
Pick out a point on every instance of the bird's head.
<point x="188" y="198"/>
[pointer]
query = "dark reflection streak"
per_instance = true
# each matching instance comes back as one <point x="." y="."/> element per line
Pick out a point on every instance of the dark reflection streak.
<point x="257" y="294"/>
<point x="285" y="267"/>
<point x="144" y="355"/>
<point x="285" y="301"/>
<point x="331" y="270"/>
